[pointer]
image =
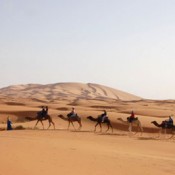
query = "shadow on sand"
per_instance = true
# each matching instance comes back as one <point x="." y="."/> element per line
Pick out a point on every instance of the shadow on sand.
<point x="82" y="131"/>
<point x="147" y="138"/>
<point x="112" y="134"/>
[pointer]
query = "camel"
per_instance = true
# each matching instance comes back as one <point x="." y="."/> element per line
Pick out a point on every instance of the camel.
<point x="133" y="123"/>
<point x="71" y="120"/>
<point x="99" y="122"/>
<point x="164" y="127"/>
<point x="40" y="118"/>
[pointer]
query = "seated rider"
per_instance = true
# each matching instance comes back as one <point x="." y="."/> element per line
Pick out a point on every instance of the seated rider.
<point x="43" y="111"/>
<point x="72" y="113"/>
<point x="132" y="117"/>
<point x="46" y="110"/>
<point x="168" y="122"/>
<point x="104" y="116"/>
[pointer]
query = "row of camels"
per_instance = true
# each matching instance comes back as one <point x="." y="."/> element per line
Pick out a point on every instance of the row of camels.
<point x="99" y="122"/>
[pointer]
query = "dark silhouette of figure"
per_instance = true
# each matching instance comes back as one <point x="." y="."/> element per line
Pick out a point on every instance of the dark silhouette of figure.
<point x="9" y="124"/>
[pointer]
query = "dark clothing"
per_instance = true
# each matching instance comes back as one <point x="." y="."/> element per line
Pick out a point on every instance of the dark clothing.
<point x="9" y="125"/>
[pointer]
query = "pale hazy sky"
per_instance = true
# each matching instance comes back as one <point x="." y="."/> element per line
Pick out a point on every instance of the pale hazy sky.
<point x="124" y="44"/>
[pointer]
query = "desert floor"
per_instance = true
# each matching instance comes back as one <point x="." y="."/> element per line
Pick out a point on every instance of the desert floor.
<point x="59" y="151"/>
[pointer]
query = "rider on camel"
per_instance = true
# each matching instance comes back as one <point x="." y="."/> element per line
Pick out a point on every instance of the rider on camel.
<point x="132" y="117"/>
<point x="169" y="121"/>
<point x="104" y="116"/>
<point x="43" y="112"/>
<point x="72" y="113"/>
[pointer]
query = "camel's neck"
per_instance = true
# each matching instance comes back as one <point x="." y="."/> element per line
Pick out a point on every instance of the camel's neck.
<point x="64" y="118"/>
<point x="156" y="124"/>
<point x="93" y="119"/>
<point x="123" y="121"/>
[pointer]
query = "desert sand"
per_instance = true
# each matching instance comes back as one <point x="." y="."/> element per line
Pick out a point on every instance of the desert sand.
<point x="36" y="151"/>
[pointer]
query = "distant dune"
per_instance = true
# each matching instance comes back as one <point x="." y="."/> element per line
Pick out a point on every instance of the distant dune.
<point x="66" y="90"/>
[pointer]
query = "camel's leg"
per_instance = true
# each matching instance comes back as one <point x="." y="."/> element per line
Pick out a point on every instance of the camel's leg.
<point x="171" y="135"/>
<point x="139" y="128"/>
<point x="160" y="132"/>
<point x="50" y="121"/>
<point x="165" y="133"/>
<point x="49" y="125"/>
<point x="80" y="125"/>
<point x="130" y="127"/>
<point x="68" y="125"/>
<point x="53" y="124"/>
<point x="100" y="127"/>
<point x="36" y="124"/>
<point x="42" y="123"/>
<point x="107" y="128"/>
<point x="73" y="125"/>
<point x="95" y="127"/>
<point x="111" y="127"/>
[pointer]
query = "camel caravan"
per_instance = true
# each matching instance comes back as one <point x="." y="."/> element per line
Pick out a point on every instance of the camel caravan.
<point x="131" y="121"/>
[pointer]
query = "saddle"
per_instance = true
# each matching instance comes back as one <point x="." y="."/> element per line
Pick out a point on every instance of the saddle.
<point x="129" y="119"/>
<point x="71" y="115"/>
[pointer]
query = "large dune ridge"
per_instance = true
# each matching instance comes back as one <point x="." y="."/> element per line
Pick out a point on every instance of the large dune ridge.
<point x="37" y="151"/>
<point x="59" y="90"/>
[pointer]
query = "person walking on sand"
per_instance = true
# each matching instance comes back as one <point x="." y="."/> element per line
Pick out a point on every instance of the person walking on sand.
<point x="9" y="124"/>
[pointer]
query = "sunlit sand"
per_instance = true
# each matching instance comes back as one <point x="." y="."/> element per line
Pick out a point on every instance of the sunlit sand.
<point x="82" y="151"/>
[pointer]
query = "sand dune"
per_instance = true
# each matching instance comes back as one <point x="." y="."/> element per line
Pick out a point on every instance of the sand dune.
<point x="59" y="90"/>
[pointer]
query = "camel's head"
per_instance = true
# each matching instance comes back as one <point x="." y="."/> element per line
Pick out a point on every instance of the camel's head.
<point x="89" y="117"/>
<point x="60" y="115"/>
